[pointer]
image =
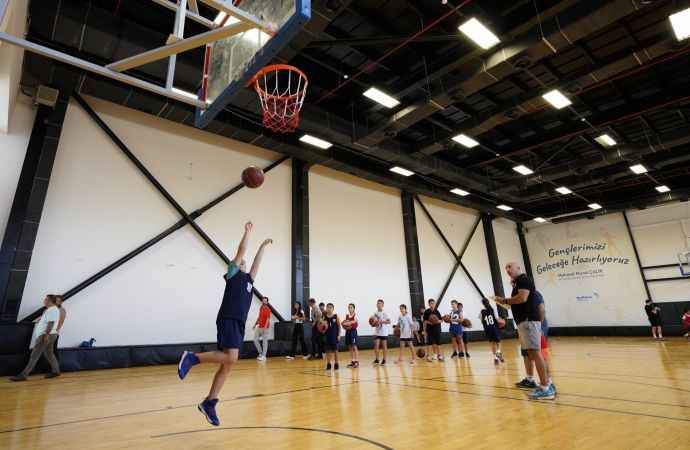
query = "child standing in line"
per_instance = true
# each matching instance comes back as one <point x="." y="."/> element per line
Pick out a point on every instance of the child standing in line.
<point x="686" y="322"/>
<point x="382" y="326"/>
<point x="351" y="336"/>
<point x="332" y="337"/>
<point x="493" y="334"/>
<point x="456" y="330"/>
<point x="406" y="323"/>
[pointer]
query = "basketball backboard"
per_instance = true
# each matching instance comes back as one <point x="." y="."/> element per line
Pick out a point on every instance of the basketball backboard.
<point x="231" y="63"/>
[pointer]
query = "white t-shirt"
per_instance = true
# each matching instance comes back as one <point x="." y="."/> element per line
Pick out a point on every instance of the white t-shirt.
<point x="405" y="323"/>
<point x="51" y="314"/>
<point x="383" y="329"/>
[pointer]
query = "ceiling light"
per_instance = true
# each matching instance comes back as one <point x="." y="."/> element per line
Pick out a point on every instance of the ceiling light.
<point x="504" y="207"/>
<point x="563" y="190"/>
<point x="459" y="192"/>
<point x="662" y="188"/>
<point x="401" y="171"/>
<point x="523" y="170"/>
<point x="540" y="220"/>
<point x="557" y="99"/>
<point x="316" y="142"/>
<point x="680" y="22"/>
<point x="594" y="206"/>
<point x="481" y="35"/>
<point x="638" y="169"/>
<point x="465" y="140"/>
<point x="606" y="140"/>
<point x="381" y="97"/>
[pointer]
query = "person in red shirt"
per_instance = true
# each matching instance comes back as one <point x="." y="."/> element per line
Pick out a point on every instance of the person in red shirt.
<point x="261" y="327"/>
<point x="351" y="335"/>
<point x="686" y="322"/>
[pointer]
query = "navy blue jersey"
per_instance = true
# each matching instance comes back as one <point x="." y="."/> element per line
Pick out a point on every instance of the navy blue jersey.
<point x="488" y="318"/>
<point x="237" y="296"/>
<point x="332" y="332"/>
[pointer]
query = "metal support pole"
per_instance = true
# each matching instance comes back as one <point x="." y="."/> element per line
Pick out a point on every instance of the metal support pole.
<point x="414" y="266"/>
<point x="637" y="256"/>
<point x="178" y="33"/>
<point x="525" y="253"/>
<point x="494" y="263"/>
<point x="459" y="262"/>
<point x="300" y="233"/>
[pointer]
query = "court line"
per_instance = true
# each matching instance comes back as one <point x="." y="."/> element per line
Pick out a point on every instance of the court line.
<point x="317" y="430"/>
<point x="169" y="408"/>
<point x="444" y="380"/>
<point x="545" y="403"/>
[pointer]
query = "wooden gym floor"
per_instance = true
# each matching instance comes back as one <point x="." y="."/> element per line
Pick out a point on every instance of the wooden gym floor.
<point x="614" y="393"/>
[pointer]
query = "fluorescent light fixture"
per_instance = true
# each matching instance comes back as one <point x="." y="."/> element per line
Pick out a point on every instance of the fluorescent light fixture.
<point x="638" y="169"/>
<point x="459" y="192"/>
<point x="680" y="22"/>
<point x="481" y="35"/>
<point x="540" y="220"/>
<point x="523" y="170"/>
<point x="185" y="93"/>
<point x="316" y="142"/>
<point x="662" y="188"/>
<point x="401" y="171"/>
<point x="465" y="140"/>
<point x="504" y="207"/>
<point x="557" y="99"/>
<point x="381" y="97"/>
<point x="563" y="190"/>
<point x="594" y="206"/>
<point x="606" y="140"/>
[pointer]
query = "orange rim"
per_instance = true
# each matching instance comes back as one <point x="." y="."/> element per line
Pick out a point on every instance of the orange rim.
<point x="273" y="68"/>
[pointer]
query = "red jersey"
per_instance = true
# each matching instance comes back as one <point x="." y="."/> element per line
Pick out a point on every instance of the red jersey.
<point x="353" y="319"/>
<point x="264" y="317"/>
<point x="686" y="320"/>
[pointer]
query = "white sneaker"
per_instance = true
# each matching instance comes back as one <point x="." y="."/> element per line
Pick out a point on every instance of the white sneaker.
<point x="441" y="358"/>
<point x="290" y="357"/>
<point x="305" y="357"/>
<point x="434" y="358"/>
<point x="261" y="358"/>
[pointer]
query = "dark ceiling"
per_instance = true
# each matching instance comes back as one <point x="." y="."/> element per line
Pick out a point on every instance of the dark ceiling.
<point x="618" y="62"/>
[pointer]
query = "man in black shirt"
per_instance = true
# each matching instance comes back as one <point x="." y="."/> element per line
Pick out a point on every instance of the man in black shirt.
<point x="526" y="315"/>
<point x="432" y="331"/>
<point x="654" y="315"/>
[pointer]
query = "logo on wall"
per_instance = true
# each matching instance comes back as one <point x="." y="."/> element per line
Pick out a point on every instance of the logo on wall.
<point x="578" y="261"/>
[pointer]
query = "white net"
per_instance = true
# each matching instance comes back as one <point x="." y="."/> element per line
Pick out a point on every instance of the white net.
<point x="281" y="90"/>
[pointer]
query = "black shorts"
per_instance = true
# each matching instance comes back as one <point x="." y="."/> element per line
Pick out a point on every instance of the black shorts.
<point x="492" y="334"/>
<point x="230" y="333"/>
<point x="382" y="338"/>
<point x="351" y="337"/>
<point x="405" y="339"/>
<point x="331" y="346"/>
<point x="433" y="334"/>
<point x="524" y="352"/>
<point x="655" y="321"/>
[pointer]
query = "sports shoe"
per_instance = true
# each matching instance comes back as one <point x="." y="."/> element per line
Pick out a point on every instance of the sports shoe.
<point x="553" y="386"/>
<point x="328" y="366"/>
<point x="376" y="361"/>
<point x="461" y="355"/>
<point x="496" y="360"/>
<point x="187" y="361"/>
<point x="467" y="355"/>
<point x="543" y="394"/>
<point x="441" y="358"/>
<point x="434" y="357"/>
<point x="208" y="409"/>
<point x="500" y="357"/>
<point x="290" y="358"/>
<point x="18" y="378"/>
<point x="351" y="365"/>
<point x="307" y="357"/>
<point x="53" y="375"/>
<point x="526" y="383"/>
<point x="336" y="366"/>
<point x="454" y="355"/>
<point x="261" y="358"/>
<point x="383" y="362"/>
<point x="356" y="364"/>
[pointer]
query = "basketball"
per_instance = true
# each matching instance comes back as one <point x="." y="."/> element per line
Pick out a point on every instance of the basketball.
<point x="466" y="323"/>
<point x="446" y="318"/>
<point x="501" y="323"/>
<point x="346" y="324"/>
<point x="373" y="322"/>
<point x="253" y="177"/>
<point x="433" y="318"/>
<point x="421" y="353"/>
<point x="396" y="331"/>
<point x="322" y="326"/>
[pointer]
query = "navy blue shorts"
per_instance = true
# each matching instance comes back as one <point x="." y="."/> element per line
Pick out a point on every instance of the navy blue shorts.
<point x="492" y="334"/>
<point x="230" y="333"/>
<point x="351" y="337"/>
<point x="455" y="329"/>
<point x="331" y="346"/>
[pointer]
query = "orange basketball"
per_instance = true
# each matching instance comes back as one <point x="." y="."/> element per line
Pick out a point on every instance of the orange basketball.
<point x="421" y="353"/>
<point x="346" y="324"/>
<point x="433" y="318"/>
<point x="322" y="326"/>
<point x="446" y="318"/>
<point x="501" y="322"/>
<point x="253" y="177"/>
<point x="373" y="322"/>
<point x="466" y="323"/>
<point x="396" y="331"/>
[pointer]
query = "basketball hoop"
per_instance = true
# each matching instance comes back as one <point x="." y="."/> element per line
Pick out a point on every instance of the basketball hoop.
<point x="281" y="90"/>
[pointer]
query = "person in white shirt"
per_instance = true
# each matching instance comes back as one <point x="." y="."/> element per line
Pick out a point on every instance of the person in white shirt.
<point x="44" y="336"/>
<point x="382" y="330"/>
<point x="406" y="324"/>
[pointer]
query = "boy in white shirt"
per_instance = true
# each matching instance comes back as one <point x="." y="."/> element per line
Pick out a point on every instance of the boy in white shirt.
<point x="382" y="325"/>
<point x="405" y="322"/>
<point x="42" y="340"/>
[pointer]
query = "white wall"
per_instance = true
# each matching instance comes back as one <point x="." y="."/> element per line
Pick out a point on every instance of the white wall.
<point x="660" y="234"/>
<point x="12" y="153"/>
<point x="588" y="294"/>
<point x="99" y="207"/>
<point x="437" y="262"/>
<point x="11" y="58"/>
<point x="356" y="245"/>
